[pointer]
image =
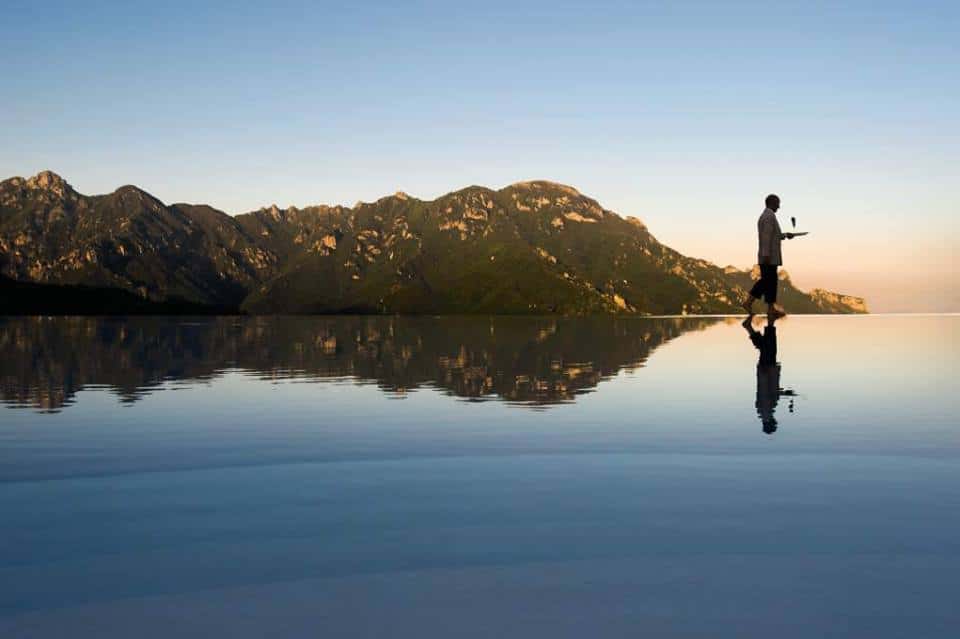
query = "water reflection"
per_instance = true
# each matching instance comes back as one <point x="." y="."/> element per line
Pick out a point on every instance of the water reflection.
<point x="769" y="390"/>
<point x="534" y="362"/>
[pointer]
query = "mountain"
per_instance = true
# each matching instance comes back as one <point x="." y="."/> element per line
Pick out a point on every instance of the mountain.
<point x="128" y="239"/>
<point x="530" y="248"/>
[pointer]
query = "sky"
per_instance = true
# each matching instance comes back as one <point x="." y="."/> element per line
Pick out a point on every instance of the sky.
<point x="683" y="114"/>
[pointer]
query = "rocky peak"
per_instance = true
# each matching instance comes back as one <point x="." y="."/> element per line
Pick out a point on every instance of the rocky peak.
<point x="540" y="194"/>
<point x="49" y="181"/>
<point x="273" y="211"/>
<point x="544" y="185"/>
<point x="467" y="193"/>
<point x="129" y="195"/>
<point x="829" y="298"/>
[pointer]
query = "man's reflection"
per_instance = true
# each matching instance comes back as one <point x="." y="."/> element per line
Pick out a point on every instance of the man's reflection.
<point x="768" y="374"/>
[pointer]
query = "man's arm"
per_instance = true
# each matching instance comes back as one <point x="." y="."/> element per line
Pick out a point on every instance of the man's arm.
<point x="768" y="231"/>
<point x="781" y="234"/>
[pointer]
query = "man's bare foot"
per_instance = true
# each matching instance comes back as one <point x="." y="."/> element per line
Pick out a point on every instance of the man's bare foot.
<point x="748" y="305"/>
<point x="776" y="313"/>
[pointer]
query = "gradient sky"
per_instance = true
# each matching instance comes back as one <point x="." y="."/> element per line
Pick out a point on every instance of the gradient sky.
<point x="682" y="114"/>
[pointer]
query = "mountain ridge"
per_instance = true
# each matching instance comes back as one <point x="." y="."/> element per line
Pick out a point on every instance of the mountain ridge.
<point x="530" y="247"/>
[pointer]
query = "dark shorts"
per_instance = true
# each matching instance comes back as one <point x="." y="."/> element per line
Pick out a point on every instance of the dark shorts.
<point x="766" y="286"/>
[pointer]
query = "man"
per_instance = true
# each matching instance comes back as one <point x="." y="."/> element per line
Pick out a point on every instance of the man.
<point x="769" y="258"/>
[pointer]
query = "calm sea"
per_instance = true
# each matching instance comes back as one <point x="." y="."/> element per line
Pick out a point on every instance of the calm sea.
<point x="479" y="477"/>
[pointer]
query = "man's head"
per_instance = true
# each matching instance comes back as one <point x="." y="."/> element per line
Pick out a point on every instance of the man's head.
<point x="773" y="202"/>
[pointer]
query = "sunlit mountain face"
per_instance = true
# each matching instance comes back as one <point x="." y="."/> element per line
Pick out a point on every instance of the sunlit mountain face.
<point x="530" y="248"/>
<point x="45" y="361"/>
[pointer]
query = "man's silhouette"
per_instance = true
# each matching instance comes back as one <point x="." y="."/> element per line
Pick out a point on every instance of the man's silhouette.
<point x="769" y="258"/>
<point x="768" y="374"/>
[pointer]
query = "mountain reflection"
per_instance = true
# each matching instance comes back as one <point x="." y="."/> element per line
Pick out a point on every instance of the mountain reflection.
<point x="45" y="361"/>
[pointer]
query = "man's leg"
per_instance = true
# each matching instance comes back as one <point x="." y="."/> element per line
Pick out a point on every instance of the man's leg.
<point x="755" y="293"/>
<point x="770" y="290"/>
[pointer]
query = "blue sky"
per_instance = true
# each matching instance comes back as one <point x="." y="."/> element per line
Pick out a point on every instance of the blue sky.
<point x="683" y="114"/>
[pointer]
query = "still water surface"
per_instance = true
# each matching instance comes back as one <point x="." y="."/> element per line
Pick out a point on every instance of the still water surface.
<point x="479" y="477"/>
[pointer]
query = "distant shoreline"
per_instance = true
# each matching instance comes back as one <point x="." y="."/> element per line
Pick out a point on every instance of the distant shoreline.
<point x="18" y="299"/>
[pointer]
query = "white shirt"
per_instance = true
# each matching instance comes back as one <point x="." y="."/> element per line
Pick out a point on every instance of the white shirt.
<point x="770" y="235"/>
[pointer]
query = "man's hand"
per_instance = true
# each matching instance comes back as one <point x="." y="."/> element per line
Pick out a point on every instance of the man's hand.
<point x="789" y="236"/>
